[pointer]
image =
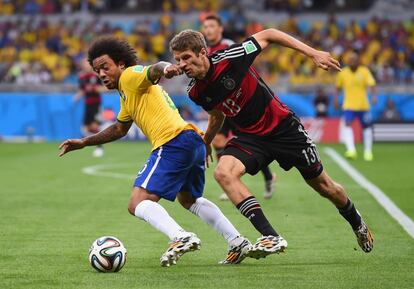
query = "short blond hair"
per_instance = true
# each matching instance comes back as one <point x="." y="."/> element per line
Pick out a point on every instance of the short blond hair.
<point x="188" y="39"/>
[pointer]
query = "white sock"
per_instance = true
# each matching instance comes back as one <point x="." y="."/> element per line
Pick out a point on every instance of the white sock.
<point x="154" y="214"/>
<point x="211" y="214"/>
<point x="349" y="138"/>
<point x="367" y="134"/>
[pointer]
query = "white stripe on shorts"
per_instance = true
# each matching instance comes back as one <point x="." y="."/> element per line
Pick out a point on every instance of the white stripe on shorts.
<point x="145" y="183"/>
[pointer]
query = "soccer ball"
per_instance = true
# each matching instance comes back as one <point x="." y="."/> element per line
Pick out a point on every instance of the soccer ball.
<point x="107" y="254"/>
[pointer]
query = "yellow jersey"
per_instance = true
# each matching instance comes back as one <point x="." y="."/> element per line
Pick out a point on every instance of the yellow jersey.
<point x="149" y="106"/>
<point x="355" y="84"/>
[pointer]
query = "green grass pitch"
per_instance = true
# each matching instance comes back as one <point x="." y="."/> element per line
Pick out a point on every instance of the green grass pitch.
<point x="51" y="212"/>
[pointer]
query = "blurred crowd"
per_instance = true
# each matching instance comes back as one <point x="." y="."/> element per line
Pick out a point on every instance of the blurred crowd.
<point x="35" y="7"/>
<point x="37" y="50"/>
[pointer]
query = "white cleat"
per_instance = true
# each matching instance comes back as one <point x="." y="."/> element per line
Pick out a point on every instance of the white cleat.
<point x="364" y="238"/>
<point x="267" y="245"/>
<point x="179" y="247"/>
<point x="237" y="251"/>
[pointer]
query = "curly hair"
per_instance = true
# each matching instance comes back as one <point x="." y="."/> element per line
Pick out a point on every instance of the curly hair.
<point x="117" y="49"/>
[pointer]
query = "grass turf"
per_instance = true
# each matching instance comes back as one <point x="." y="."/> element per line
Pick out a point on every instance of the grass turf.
<point x="51" y="212"/>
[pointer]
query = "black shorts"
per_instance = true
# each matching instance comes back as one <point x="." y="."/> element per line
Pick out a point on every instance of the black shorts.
<point x="91" y="113"/>
<point x="289" y="144"/>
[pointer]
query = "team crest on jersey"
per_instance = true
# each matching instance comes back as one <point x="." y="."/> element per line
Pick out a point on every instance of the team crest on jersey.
<point x="249" y="47"/>
<point x="228" y="83"/>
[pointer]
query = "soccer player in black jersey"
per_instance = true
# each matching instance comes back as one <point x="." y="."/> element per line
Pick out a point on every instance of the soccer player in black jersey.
<point x="213" y="32"/>
<point x="90" y="89"/>
<point x="227" y="86"/>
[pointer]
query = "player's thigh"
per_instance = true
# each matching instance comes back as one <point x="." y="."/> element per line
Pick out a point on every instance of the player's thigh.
<point x="294" y="148"/>
<point x="244" y="154"/>
<point x="164" y="173"/>
<point x="193" y="185"/>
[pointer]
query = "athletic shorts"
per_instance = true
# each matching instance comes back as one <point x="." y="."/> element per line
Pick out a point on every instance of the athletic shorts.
<point x="177" y="166"/>
<point x="91" y="113"/>
<point x="289" y="144"/>
<point x="364" y="117"/>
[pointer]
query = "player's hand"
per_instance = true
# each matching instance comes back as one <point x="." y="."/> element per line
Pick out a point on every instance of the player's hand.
<point x="325" y="61"/>
<point x="209" y="155"/>
<point x="70" y="145"/>
<point x="172" y="70"/>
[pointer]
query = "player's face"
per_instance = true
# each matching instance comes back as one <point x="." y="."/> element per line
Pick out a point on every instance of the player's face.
<point x="108" y="71"/>
<point x="212" y="31"/>
<point x="194" y="65"/>
<point x="353" y="60"/>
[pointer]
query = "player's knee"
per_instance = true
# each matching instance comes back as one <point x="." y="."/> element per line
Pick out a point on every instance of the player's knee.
<point x="222" y="175"/>
<point x="185" y="201"/>
<point x="131" y="207"/>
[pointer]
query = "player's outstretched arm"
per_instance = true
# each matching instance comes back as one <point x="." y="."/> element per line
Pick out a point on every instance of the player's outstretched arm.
<point x="111" y="133"/>
<point x="321" y="58"/>
<point x="215" y="122"/>
<point x="162" y="68"/>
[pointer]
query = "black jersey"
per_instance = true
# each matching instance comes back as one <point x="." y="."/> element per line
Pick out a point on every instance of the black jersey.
<point x="89" y="83"/>
<point x="234" y="87"/>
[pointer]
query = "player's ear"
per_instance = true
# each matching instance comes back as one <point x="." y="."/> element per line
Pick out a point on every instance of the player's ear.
<point x="121" y="64"/>
<point x="203" y="51"/>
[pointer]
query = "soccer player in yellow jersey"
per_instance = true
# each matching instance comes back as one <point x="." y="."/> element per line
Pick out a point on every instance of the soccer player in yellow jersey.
<point x="176" y="165"/>
<point x="354" y="80"/>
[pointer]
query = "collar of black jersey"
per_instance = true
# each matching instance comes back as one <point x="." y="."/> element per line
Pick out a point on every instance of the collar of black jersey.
<point x="210" y="70"/>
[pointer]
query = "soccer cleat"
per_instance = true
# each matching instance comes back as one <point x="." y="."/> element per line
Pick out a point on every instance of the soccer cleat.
<point x="267" y="245"/>
<point x="178" y="247"/>
<point x="223" y="197"/>
<point x="368" y="156"/>
<point x="364" y="237"/>
<point x="269" y="186"/>
<point x="237" y="253"/>
<point x="351" y="154"/>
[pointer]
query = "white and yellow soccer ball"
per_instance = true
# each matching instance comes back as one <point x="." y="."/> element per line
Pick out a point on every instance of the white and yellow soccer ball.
<point x="107" y="254"/>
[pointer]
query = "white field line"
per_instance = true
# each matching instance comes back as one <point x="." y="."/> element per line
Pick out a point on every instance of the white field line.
<point x="379" y="196"/>
<point x="98" y="171"/>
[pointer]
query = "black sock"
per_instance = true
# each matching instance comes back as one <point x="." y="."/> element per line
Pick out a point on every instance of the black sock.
<point x="251" y="209"/>
<point x="267" y="174"/>
<point x="351" y="215"/>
